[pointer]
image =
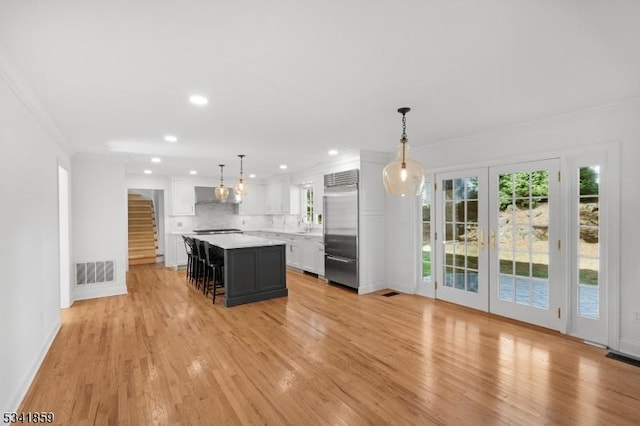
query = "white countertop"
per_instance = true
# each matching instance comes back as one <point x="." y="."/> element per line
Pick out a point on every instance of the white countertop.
<point x="293" y="232"/>
<point x="235" y="241"/>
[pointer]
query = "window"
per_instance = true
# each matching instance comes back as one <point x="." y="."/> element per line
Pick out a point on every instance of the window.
<point x="307" y="203"/>
<point x="426" y="233"/>
<point x="588" y="242"/>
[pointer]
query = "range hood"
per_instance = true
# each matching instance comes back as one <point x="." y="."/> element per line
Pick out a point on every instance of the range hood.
<point x="206" y="195"/>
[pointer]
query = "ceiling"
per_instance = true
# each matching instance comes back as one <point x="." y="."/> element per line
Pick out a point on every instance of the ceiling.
<point x="288" y="80"/>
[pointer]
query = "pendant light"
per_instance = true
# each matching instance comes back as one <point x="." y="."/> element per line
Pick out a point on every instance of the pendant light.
<point x="241" y="187"/>
<point x="221" y="192"/>
<point x="403" y="176"/>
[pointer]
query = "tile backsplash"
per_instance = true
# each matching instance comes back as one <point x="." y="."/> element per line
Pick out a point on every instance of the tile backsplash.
<point x="212" y="216"/>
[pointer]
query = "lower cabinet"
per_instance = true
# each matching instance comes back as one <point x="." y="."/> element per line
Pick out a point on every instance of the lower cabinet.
<point x="181" y="252"/>
<point x="319" y="258"/>
<point x="309" y="259"/>
<point x="302" y="252"/>
<point x="294" y="253"/>
<point x="177" y="253"/>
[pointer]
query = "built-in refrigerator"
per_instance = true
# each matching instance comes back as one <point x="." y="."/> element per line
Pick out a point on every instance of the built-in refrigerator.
<point x="341" y="228"/>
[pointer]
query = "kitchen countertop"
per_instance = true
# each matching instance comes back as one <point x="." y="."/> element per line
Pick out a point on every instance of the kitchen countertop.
<point x="235" y="241"/>
<point x="277" y="231"/>
<point x="292" y="232"/>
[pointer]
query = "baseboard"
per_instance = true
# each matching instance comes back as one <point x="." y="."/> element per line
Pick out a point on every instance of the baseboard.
<point x="94" y="291"/>
<point x="630" y="347"/>
<point x="25" y="383"/>
<point x="371" y="288"/>
<point x="408" y="289"/>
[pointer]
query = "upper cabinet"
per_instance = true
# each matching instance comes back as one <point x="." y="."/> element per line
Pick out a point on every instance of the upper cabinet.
<point x="282" y="197"/>
<point x="183" y="197"/>
<point x="255" y="201"/>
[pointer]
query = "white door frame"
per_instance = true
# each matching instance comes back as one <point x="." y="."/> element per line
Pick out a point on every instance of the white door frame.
<point x="611" y="152"/>
<point x="64" y="243"/>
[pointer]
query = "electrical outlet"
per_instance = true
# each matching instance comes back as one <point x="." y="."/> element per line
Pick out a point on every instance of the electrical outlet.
<point x="179" y="224"/>
<point x="636" y="317"/>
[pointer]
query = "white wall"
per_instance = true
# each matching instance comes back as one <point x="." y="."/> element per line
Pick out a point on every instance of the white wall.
<point x="620" y="123"/>
<point x="371" y="235"/>
<point x="99" y="227"/>
<point x="29" y="287"/>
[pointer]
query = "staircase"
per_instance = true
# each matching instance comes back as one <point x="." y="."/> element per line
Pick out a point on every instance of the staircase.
<point x="143" y="237"/>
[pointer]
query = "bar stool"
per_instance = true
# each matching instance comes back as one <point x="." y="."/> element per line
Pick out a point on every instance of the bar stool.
<point x="198" y="250"/>
<point x="188" y="249"/>
<point x="217" y="267"/>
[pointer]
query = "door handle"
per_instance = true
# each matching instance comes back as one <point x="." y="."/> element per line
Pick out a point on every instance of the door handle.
<point x="492" y="240"/>
<point x="337" y="259"/>
<point x="481" y="238"/>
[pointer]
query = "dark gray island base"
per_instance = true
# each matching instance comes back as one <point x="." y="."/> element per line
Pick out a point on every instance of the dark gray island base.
<point x="254" y="268"/>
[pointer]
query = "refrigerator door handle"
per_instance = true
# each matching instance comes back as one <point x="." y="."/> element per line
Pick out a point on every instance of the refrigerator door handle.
<point x="337" y="259"/>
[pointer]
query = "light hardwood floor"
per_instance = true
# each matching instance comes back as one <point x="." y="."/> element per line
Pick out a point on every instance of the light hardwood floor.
<point x="163" y="354"/>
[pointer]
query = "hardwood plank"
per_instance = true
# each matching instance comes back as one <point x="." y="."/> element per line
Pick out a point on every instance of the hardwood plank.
<point x="163" y="354"/>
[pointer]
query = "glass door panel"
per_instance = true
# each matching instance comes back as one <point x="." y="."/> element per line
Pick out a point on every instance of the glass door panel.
<point x="524" y="214"/>
<point x="426" y="233"/>
<point x="590" y="317"/>
<point x="462" y="273"/>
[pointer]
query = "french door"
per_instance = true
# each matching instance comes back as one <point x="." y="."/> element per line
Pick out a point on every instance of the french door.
<point x="524" y="242"/>
<point x="497" y="240"/>
<point x="461" y="250"/>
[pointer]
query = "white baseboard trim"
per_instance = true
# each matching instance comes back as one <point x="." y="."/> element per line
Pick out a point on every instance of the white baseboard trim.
<point x="371" y="288"/>
<point x="630" y="347"/>
<point x="94" y="291"/>
<point x="25" y="383"/>
<point x="408" y="289"/>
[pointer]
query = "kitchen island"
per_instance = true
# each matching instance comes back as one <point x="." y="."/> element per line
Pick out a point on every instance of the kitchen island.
<point x="254" y="267"/>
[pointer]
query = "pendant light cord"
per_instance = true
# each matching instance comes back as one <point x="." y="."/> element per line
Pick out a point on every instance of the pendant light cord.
<point x="403" y="138"/>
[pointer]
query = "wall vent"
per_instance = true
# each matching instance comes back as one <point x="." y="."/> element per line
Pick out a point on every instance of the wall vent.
<point x="350" y="177"/>
<point x="95" y="272"/>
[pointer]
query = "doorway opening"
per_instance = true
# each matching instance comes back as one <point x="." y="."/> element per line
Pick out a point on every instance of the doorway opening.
<point x="146" y="226"/>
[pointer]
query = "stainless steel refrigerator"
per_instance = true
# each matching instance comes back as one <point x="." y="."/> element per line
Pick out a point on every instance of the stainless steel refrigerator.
<point x="341" y="228"/>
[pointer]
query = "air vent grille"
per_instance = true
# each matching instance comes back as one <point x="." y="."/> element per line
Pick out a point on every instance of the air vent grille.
<point x="350" y="177"/>
<point x="95" y="272"/>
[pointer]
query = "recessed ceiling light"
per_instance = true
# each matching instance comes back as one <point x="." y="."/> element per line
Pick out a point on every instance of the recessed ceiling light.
<point x="155" y="160"/>
<point x="252" y="176"/>
<point x="170" y="138"/>
<point x="193" y="172"/>
<point x="333" y="152"/>
<point x="147" y="172"/>
<point x="283" y="166"/>
<point x="198" y="100"/>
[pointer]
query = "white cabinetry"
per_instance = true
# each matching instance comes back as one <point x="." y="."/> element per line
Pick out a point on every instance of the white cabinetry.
<point x="177" y="253"/>
<point x="319" y="257"/>
<point x="304" y="252"/>
<point x="282" y="197"/>
<point x="294" y="252"/>
<point x="181" y="252"/>
<point x="318" y="194"/>
<point x="313" y="255"/>
<point x="255" y="201"/>
<point x="183" y="198"/>
<point x="309" y="258"/>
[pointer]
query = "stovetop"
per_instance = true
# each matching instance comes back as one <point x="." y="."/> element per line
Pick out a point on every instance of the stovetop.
<point x="217" y="231"/>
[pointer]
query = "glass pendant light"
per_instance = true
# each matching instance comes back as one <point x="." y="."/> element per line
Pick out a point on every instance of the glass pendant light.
<point x="241" y="187"/>
<point x="404" y="175"/>
<point x="221" y="191"/>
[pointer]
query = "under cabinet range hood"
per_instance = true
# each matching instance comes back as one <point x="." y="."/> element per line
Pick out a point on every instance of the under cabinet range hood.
<point x="206" y="195"/>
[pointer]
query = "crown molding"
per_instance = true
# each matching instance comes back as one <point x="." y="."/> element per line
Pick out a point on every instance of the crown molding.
<point x="10" y="75"/>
